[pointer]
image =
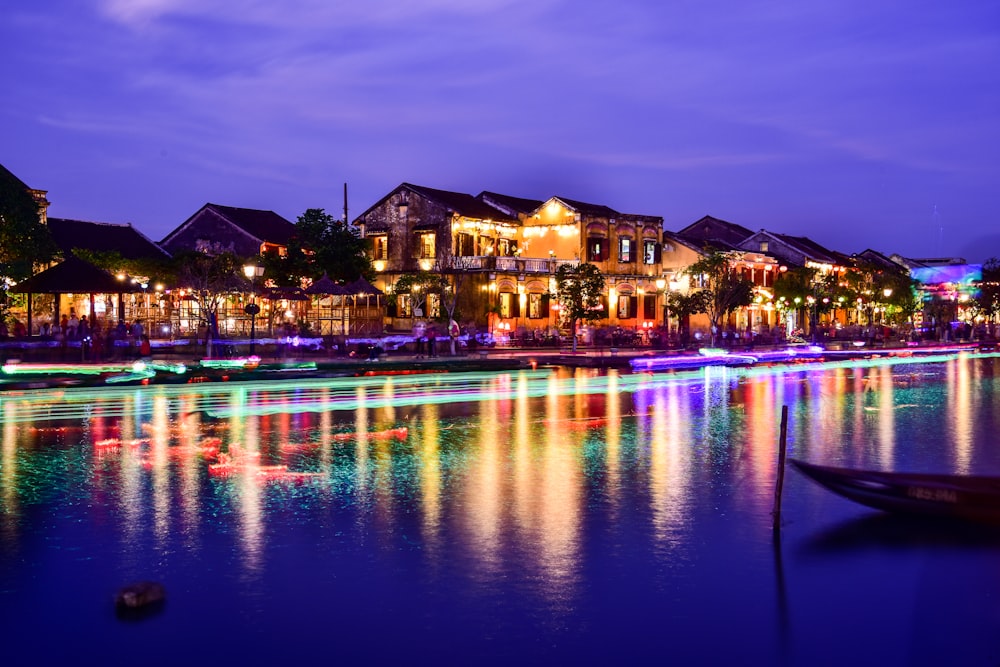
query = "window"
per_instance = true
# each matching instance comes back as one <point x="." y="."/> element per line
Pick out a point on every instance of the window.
<point x="649" y="306"/>
<point x="425" y="249"/>
<point x="510" y="305"/>
<point x="626" y="306"/>
<point x="649" y="251"/>
<point x="596" y="250"/>
<point x="763" y="246"/>
<point x="433" y="306"/>
<point x="626" y="251"/>
<point x="380" y="247"/>
<point x="404" y="306"/>
<point x="507" y="248"/>
<point x="465" y="245"/>
<point x="538" y="306"/>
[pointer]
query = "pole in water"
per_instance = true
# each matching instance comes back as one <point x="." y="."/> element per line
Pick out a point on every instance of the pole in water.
<point x="781" y="468"/>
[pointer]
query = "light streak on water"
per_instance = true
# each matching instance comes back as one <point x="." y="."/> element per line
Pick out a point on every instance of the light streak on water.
<point x="235" y="401"/>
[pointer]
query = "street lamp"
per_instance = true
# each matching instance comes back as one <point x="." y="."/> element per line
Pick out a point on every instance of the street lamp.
<point x="252" y="272"/>
<point x="811" y="300"/>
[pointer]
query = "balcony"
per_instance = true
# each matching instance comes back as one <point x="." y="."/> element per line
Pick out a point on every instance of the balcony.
<point x="509" y="264"/>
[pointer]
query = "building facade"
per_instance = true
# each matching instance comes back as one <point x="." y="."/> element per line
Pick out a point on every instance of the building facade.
<point x="500" y="254"/>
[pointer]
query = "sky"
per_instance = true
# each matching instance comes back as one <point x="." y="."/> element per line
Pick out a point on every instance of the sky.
<point x="860" y="124"/>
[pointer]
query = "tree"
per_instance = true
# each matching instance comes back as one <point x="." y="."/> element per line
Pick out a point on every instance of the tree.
<point x="683" y="306"/>
<point x="579" y="289"/>
<point x="805" y="289"/>
<point x="113" y="262"/>
<point x="208" y="279"/>
<point x="420" y="286"/>
<point x="988" y="300"/>
<point x="873" y="285"/>
<point x="726" y="288"/>
<point x="24" y="241"/>
<point x="322" y="244"/>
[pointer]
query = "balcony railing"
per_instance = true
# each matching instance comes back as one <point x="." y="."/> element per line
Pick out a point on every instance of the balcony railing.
<point x="509" y="264"/>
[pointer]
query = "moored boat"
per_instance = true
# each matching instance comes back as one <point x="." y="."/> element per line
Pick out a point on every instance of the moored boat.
<point x="969" y="497"/>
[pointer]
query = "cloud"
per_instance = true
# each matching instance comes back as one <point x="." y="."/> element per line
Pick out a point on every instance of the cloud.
<point x="302" y="14"/>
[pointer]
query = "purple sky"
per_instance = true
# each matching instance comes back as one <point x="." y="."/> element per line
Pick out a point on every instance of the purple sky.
<point x="848" y="121"/>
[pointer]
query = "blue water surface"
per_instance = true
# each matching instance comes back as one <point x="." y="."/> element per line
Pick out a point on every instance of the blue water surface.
<point x="532" y="517"/>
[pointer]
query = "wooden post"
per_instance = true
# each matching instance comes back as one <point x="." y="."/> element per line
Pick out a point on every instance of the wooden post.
<point x="781" y="468"/>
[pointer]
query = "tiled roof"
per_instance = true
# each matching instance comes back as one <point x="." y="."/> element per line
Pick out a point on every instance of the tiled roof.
<point x="464" y="204"/>
<point x="702" y="244"/>
<point x="516" y="204"/>
<point x="126" y="240"/>
<point x="721" y="230"/>
<point x="693" y="244"/>
<point x="811" y="249"/>
<point x="74" y="276"/>
<point x="267" y="226"/>
<point x="595" y="210"/>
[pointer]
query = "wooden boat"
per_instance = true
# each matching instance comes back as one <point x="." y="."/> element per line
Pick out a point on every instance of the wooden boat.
<point x="966" y="497"/>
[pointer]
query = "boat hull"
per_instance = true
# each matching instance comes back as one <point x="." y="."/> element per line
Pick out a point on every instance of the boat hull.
<point x="963" y="497"/>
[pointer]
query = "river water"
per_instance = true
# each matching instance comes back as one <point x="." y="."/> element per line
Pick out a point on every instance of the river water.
<point x="533" y="517"/>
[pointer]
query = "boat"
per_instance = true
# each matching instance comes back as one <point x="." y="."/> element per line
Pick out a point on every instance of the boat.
<point x="967" y="497"/>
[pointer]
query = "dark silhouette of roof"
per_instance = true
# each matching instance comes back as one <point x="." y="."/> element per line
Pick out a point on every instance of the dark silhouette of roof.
<point x="362" y="286"/>
<point x="126" y="240"/>
<point x="325" y="285"/>
<point x="76" y="276"/>
<point x="711" y="229"/>
<point x="265" y="226"/>
<point x="9" y="175"/>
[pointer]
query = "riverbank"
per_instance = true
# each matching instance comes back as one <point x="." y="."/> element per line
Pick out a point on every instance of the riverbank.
<point x="175" y="367"/>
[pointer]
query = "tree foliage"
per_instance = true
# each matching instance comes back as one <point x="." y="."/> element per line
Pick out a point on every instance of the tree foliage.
<point x="872" y="286"/>
<point x="988" y="300"/>
<point x="113" y="262"/>
<point x="579" y="289"/>
<point x="419" y="286"/>
<point x="207" y="280"/>
<point x="24" y="241"/>
<point x="726" y="288"/>
<point x="322" y="244"/>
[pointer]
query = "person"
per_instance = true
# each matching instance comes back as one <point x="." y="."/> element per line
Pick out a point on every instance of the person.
<point x="136" y="331"/>
<point x="72" y="325"/>
<point x="145" y="349"/>
<point x="97" y="344"/>
<point x="431" y="340"/>
<point x="20" y="331"/>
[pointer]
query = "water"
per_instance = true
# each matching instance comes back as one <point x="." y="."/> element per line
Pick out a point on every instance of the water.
<point x="536" y="517"/>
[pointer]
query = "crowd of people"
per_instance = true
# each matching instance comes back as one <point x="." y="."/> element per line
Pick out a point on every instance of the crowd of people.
<point x="96" y="341"/>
